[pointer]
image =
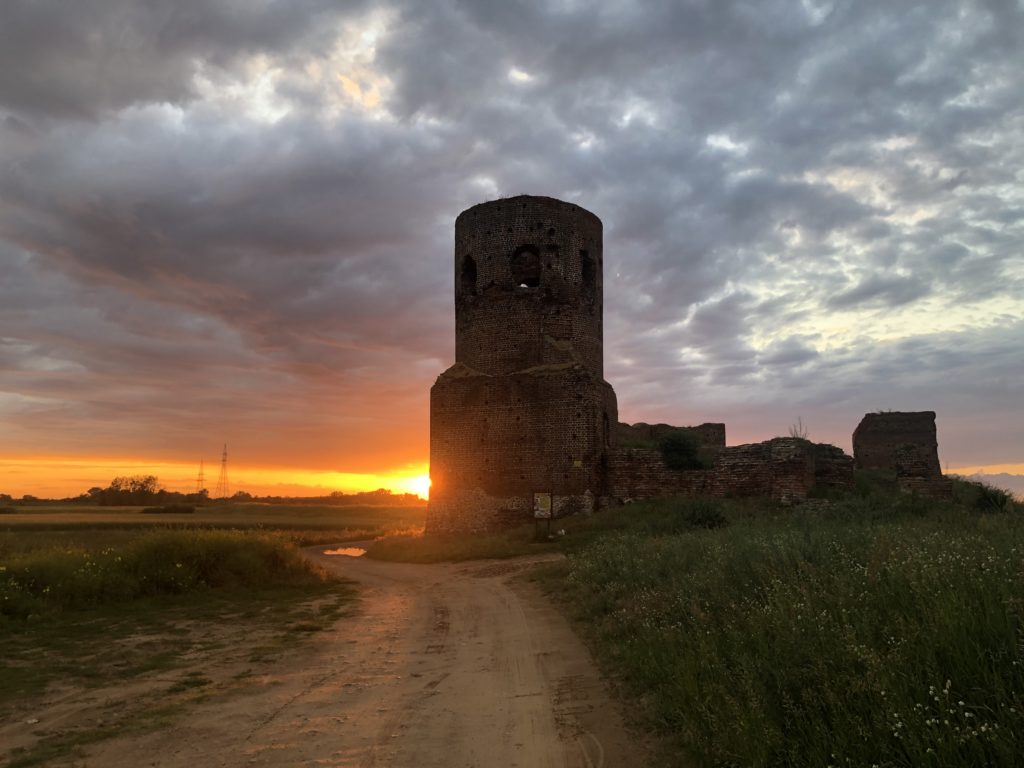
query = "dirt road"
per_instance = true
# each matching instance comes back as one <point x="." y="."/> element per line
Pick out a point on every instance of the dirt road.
<point x="443" y="665"/>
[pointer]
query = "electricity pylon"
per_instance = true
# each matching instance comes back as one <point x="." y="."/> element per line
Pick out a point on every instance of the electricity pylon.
<point x="221" y="491"/>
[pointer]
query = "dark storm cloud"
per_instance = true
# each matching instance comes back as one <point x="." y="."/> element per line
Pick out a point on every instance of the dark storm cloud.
<point x="85" y="58"/>
<point x="806" y="204"/>
<point x="890" y="291"/>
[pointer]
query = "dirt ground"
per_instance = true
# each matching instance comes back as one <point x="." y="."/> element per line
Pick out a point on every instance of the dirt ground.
<point x="441" y="665"/>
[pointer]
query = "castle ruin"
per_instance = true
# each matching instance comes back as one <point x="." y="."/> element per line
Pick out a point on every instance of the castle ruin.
<point x="524" y="425"/>
<point x="524" y="413"/>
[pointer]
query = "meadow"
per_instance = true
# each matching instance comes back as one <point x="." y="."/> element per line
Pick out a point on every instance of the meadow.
<point x="881" y="632"/>
<point x="158" y="610"/>
<point x="867" y="629"/>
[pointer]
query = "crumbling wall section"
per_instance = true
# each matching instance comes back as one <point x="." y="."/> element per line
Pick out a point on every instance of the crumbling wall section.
<point x="833" y="468"/>
<point x="640" y="473"/>
<point x="781" y="469"/>
<point x="903" y="442"/>
<point x="785" y="469"/>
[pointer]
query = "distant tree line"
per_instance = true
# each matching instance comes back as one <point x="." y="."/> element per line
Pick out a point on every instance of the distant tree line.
<point x="145" y="490"/>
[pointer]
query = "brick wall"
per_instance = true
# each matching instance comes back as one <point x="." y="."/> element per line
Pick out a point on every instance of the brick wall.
<point x="904" y="442"/>
<point x="784" y="468"/>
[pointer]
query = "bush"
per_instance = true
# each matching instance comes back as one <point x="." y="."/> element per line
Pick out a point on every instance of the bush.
<point x="681" y="450"/>
<point x="982" y="497"/>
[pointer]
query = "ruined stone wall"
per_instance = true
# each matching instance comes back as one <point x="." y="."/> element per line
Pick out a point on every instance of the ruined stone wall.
<point x="904" y="443"/>
<point x="785" y="469"/>
<point x="640" y="473"/>
<point x="781" y="469"/>
<point x="832" y="467"/>
<point x="711" y="435"/>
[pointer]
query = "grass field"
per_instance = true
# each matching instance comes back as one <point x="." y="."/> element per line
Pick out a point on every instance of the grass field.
<point x="118" y="600"/>
<point x="892" y="638"/>
<point x="874" y="629"/>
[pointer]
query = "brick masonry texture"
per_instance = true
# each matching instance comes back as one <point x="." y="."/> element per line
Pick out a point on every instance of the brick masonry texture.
<point x="903" y="442"/>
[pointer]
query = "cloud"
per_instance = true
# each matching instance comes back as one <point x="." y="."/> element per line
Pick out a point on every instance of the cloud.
<point x="237" y="219"/>
<point x="889" y="291"/>
<point x="95" y="56"/>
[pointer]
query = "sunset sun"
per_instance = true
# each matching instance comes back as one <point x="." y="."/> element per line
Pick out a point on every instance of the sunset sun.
<point x="420" y="485"/>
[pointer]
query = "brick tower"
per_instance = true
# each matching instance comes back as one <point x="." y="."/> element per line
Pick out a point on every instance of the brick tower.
<point x="524" y="415"/>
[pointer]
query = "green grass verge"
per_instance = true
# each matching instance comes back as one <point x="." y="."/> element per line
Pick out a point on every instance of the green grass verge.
<point x="872" y="634"/>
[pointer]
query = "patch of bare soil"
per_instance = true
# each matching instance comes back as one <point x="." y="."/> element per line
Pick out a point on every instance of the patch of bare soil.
<point x="441" y="665"/>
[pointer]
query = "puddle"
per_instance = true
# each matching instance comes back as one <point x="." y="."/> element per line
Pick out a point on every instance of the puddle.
<point x="346" y="551"/>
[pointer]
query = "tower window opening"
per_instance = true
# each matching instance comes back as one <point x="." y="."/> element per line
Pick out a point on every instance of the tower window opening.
<point x="526" y="267"/>
<point x="469" y="275"/>
<point x="587" y="271"/>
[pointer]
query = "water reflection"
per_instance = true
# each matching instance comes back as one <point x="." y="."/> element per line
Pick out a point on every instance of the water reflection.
<point x="346" y="551"/>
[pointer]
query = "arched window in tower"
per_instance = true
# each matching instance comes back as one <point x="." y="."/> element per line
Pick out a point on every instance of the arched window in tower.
<point x="587" y="271"/>
<point x="526" y="267"/>
<point x="469" y="275"/>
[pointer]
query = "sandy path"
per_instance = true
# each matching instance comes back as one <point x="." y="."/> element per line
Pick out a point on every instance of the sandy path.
<point x="444" y="665"/>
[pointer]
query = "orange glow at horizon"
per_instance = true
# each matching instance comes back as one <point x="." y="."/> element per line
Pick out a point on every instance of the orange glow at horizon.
<point x="66" y="476"/>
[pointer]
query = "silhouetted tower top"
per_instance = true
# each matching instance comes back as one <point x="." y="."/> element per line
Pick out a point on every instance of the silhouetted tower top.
<point x="528" y="287"/>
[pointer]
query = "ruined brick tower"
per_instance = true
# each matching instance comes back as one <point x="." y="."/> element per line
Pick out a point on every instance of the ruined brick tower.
<point x="525" y="411"/>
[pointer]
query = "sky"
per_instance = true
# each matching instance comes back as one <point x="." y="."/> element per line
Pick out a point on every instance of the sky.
<point x="232" y="222"/>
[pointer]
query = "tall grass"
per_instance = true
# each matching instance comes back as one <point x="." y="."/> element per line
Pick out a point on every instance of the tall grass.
<point x="803" y="641"/>
<point x="162" y="562"/>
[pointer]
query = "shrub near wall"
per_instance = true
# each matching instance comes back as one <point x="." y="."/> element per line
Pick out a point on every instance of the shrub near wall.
<point x="811" y="645"/>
